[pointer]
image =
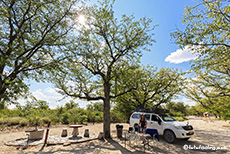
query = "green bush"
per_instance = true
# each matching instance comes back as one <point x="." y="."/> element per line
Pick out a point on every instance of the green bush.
<point x="91" y="116"/>
<point x="45" y="120"/>
<point x="181" y="118"/>
<point x="54" y="117"/>
<point x="98" y="119"/>
<point x="12" y="121"/>
<point x="74" y="118"/>
<point x="24" y="122"/>
<point x="65" y="118"/>
<point x="117" y="116"/>
<point x="177" y="114"/>
<point x="82" y="118"/>
<point x="2" y="121"/>
<point x="35" y="121"/>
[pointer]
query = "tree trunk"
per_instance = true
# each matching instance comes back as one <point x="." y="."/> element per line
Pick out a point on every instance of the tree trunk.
<point x="2" y="91"/>
<point x="106" y="115"/>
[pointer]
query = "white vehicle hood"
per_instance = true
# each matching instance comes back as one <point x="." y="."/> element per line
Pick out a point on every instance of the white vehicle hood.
<point x="177" y="123"/>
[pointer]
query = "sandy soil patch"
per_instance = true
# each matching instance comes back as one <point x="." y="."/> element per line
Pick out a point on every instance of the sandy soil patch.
<point x="207" y="134"/>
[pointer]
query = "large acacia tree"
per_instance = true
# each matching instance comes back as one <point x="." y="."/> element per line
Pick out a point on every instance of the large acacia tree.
<point x="105" y="48"/>
<point x="207" y="28"/>
<point x="32" y="34"/>
<point x="153" y="87"/>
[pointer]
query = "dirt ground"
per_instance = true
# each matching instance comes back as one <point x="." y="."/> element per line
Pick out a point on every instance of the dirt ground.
<point x="208" y="135"/>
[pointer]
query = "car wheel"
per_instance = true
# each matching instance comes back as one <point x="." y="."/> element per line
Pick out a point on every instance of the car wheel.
<point x="169" y="136"/>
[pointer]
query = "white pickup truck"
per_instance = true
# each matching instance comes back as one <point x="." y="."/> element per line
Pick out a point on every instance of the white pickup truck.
<point x="166" y="125"/>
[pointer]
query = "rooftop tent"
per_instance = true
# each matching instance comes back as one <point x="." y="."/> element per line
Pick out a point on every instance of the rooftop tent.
<point x="152" y="110"/>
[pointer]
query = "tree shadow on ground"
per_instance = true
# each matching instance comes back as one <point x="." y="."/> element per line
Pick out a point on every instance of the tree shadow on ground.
<point x="182" y="146"/>
<point x="201" y="139"/>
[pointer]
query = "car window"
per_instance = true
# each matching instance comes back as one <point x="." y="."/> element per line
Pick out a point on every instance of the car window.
<point x="155" y="118"/>
<point x="136" y="116"/>
<point x="147" y="116"/>
<point x="167" y="118"/>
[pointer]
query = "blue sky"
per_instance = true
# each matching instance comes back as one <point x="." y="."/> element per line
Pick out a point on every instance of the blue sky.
<point x="168" y="14"/>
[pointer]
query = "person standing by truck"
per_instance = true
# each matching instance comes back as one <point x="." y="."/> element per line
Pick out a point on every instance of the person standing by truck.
<point x="142" y="123"/>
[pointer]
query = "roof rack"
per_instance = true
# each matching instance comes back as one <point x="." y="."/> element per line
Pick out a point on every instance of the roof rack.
<point x="152" y="110"/>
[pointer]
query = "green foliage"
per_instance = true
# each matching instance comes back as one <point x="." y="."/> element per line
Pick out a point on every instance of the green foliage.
<point x="43" y="105"/>
<point x="2" y="121"/>
<point x="41" y="117"/>
<point x="99" y="118"/>
<point x="35" y="121"/>
<point x="117" y="116"/>
<point x="98" y="106"/>
<point x="71" y="105"/>
<point x="12" y="121"/>
<point x="2" y="105"/>
<point x="77" y="115"/>
<point x="180" y="118"/>
<point x="177" y="109"/>
<point x="207" y="34"/>
<point x="153" y="88"/>
<point x="60" y="111"/>
<point x="32" y="35"/>
<point x="82" y="119"/>
<point x="65" y="118"/>
<point x="45" y="120"/>
<point x="24" y="122"/>
<point x="104" y="46"/>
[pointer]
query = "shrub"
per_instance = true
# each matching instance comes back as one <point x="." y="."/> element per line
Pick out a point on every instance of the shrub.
<point x="181" y="118"/>
<point x="24" y="122"/>
<point x="35" y="121"/>
<point x="65" y="118"/>
<point x="117" y="117"/>
<point x="98" y="119"/>
<point x="91" y="116"/>
<point x="74" y="118"/>
<point x="185" y="118"/>
<point x="82" y="118"/>
<point x="177" y="114"/>
<point x="2" y="121"/>
<point x="54" y="118"/>
<point x="45" y="120"/>
<point x="13" y="121"/>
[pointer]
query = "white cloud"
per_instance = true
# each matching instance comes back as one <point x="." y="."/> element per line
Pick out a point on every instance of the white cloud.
<point x="189" y="102"/>
<point x="182" y="55"/>
<point x="185" y="100"/>
<point x="52" y="97"/>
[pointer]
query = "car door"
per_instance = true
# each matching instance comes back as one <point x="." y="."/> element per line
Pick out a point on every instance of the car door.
<point x="135" y="119"/>
<point x="155" y="123"/>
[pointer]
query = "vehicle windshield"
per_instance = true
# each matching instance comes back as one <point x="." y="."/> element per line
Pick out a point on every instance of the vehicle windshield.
<point x="167" y="118"/>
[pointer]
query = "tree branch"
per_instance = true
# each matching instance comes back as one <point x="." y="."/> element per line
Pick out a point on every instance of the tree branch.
<point x="120" y="94"/>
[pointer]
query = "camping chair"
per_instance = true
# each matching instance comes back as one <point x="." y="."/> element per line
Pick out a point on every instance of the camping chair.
<point x="154" y="135"/>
